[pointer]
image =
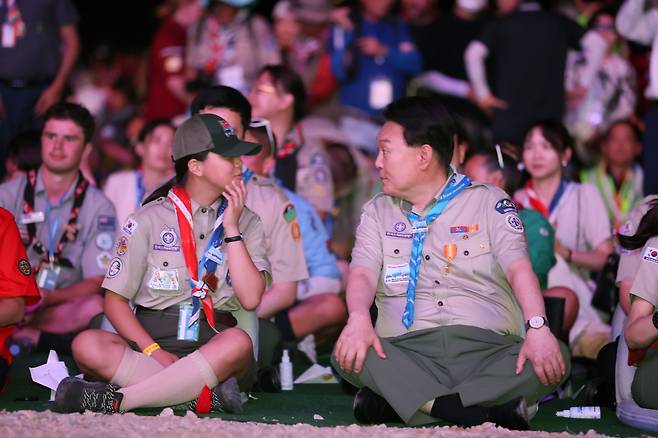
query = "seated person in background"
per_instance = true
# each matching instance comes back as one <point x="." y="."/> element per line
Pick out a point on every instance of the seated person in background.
<point x="17" y="287"/>
<point x="496" y="168"/>
<point x="128" y="188"/>
<point x="618" y="176"/>
<point x="319" y="306"/>
<point x="451" y="303"/>
<point x="282" y="236"/>
<point x="642" y="325"/>
<point x="67" y="227"/>
<point x="583" y="238"/>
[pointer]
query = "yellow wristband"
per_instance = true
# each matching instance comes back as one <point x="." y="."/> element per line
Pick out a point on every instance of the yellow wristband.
<point x="151" y="349"/>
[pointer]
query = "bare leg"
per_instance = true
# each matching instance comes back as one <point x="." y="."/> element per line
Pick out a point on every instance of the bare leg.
<point x="98" y="353"/>
<point x="317" y="312"/>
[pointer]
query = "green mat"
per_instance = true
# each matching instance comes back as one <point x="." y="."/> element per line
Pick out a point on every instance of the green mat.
<point x="301" y="404"/>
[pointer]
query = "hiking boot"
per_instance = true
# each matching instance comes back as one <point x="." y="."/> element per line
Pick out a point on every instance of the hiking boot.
<point x="371" y="408"/>
<point x="512" y="415"/>
<point x="225" y="398"/>
<point x="77" y="395"/>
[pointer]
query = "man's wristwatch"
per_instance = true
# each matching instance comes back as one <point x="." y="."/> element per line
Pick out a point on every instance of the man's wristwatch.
<point x="536" y="322"/>
<point x="655" y="319"/>
<point x="233" y="238"/>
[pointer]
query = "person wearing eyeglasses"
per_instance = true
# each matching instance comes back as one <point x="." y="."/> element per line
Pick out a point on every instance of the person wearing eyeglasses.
<point x="282" y="232"/>
<point x="302" y="164"/>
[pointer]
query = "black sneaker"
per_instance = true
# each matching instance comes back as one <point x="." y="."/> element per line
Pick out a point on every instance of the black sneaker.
<point x="371" y="408"/>
<point x="77" y="395"/>
<point x="225" y="398"/>
<point x="512" y="415"/>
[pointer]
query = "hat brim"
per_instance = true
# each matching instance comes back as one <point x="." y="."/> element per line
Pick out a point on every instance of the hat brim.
<point x="238" y="149"/>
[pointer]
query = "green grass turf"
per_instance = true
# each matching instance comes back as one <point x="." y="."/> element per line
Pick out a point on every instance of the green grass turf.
<point x="300" y="405"/>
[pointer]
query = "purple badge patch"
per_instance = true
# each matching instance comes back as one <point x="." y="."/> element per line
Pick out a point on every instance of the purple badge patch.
<point x="400" y="227"/>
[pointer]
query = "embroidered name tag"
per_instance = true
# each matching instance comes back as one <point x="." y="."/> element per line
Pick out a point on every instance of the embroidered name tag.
<point x="396" y="273"/>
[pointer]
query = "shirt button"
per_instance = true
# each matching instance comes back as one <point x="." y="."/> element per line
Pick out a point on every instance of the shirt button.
<point x="465" y="237"/>
<point x="466" y="253"/>
<point x="165" y="264"/>
<point x="203" y="236"/>
<point x="440" y="303"/>
<point x="437" y="282"/>
<point x="427" y="257"/>
<point x="204" y="210"/>
<point x="396" y="251"/>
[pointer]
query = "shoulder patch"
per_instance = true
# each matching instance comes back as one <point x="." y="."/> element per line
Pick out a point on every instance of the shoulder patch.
<point x="505" y="206"/>
<point x="289" y="213"/>
<point x="296" y="232"/>
<point x="24" y="267"/>
<point x="104" y="241"/>
<point x="114" y="268"/>
<point x="650" y="255"/>
<point x="515" y="223"/>
<point x="130" y="226"/>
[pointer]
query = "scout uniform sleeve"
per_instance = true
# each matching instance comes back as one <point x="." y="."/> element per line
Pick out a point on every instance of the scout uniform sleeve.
<point x="254" y="239"/>
<point x="16" y="275"/>
<point x="368" y="250"/>
<point x="597" y="228"/>
<point x="314" y="181"/>
<point x="96" y="252"/>
<point x="645" y="285"/>
<point x="629" y="259"/>
<point x="505" y="228"/>
<point x="129" y="263"/>
<point x="286" y="253"/>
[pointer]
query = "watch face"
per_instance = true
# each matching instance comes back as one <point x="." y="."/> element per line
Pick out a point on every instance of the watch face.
<point x="536" y="322"/>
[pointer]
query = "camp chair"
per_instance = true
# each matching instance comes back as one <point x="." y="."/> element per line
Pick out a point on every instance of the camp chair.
<point x="628" y="411"/>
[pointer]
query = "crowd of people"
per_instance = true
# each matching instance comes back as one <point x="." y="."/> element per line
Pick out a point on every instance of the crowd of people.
<point x="458" y="203"/>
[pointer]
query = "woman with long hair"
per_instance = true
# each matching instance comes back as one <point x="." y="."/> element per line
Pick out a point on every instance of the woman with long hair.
<point x="583" y="236"/>
<point x="185" y="260"/>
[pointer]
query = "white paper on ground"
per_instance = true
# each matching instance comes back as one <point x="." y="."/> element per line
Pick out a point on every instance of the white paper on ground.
<point x="317" y="374"/>
<point x="50" y="373"/>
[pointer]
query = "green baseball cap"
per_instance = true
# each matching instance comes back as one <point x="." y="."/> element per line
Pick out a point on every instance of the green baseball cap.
<point x="208" y="132"/>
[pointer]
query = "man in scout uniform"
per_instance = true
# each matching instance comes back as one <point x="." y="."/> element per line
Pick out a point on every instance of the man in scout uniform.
<point x="17" y="287"/>
<point x="282" y="235"/>
<point x="67" y="227"/>
<point x="446" y="263"/>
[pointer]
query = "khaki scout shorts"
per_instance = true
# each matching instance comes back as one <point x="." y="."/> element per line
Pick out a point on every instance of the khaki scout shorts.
<point x="162" y="326"/>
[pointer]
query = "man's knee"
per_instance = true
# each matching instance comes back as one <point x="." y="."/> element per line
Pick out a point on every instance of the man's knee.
<point x="90" y="347"/>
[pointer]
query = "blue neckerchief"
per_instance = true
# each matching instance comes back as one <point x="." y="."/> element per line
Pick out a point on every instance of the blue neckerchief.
<point x="139" y="188"/>
<point x="209" y="265"/>
<point x="558" y="195"/>
<point x="420" y="227"/>
<point x="246" y="174"/>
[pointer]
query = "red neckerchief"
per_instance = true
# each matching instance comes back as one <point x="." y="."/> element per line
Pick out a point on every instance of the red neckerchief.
<point x="290" y="147"/>
<point x="534" y="200"/>
<point x="71" y="230"/>
<point x="188" y="244"/>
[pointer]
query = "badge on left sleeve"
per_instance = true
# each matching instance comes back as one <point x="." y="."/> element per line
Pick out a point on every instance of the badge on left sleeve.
<point x="505" y="206"/>
<point x="130" y="226"/>
<point x="103" y="259"/>
<point x="289" y="213"/>
<point x="24" y="267"/>
<point x="106" y="223"/>
<point x="515" y="223"/>
<point x="114" y="268"/>
<point x="104" y="241"/>
<point x="651" y="255"/>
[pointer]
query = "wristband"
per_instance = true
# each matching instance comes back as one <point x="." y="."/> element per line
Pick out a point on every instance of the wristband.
<point x="149" y="350"/>
<point x="233" y="238"/>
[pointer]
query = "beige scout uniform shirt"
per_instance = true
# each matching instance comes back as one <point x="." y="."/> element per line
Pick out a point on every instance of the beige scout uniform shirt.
<point x="283" y="243"/>
<point x="90" y="252"/>
<point x="149" y="267"/>
<point x="645" y="284"/>
<point x="313" y="180"/>
<point x="471" y="289"/>
<point x="629" y="260"/>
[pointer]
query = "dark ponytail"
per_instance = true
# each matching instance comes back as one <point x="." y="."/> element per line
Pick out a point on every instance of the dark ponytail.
<point x="180" y="166"/>
<point x="647" y="229"/>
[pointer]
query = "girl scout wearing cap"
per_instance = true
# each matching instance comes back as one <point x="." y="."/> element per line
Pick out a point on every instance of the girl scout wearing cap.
<point x="180" y="259"/>
<point x="641" y="331"/>
<point x="583" y="236"/>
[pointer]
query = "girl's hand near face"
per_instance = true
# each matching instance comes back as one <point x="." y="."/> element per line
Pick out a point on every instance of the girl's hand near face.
<point x="235" y="193"/>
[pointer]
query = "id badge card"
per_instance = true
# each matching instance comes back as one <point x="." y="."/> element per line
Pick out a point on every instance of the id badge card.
<point x="380" y="93"/>
<point x="33" y="218"/>
<point x="47" y="276"/>
<point x="8" y="36"/>
<point x="185" y="331"/>
<point x="215" y="254"/>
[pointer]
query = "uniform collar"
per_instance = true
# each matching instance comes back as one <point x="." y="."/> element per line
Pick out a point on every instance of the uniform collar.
<point x="196" y="206"/>
<point x="40" y="188"/>
<point x="407" y="206"/>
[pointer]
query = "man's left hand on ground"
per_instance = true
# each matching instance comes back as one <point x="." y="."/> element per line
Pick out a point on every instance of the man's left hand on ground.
<point x="542" y="350"/>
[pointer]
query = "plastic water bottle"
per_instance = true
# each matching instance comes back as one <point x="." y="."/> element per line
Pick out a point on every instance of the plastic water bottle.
<point x="285" y="372"/>
<point x="587" y="412"/>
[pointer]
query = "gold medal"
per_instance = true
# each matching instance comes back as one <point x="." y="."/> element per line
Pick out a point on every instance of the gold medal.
<point x="450" y="250"/>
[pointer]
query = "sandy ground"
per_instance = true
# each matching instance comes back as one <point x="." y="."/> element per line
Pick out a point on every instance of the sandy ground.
<point x="47" y="424"/>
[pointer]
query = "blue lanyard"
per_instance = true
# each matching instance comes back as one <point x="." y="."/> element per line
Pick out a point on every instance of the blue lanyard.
<point x="52" y="230"/>
<point x="246" y="174"/>
<point x="139" y="188"/>
<point x="215" y="241"/>
<point x="420" y="227"/>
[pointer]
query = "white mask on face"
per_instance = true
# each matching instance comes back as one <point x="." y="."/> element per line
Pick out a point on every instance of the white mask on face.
<point x="472" y="5"/>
